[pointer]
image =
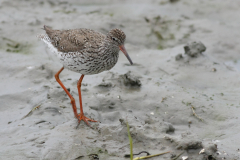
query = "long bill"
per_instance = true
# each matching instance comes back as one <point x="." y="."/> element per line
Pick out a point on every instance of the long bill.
<point x="122" y="48"/>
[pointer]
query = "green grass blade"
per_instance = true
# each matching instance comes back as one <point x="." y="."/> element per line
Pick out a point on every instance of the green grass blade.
<point x="130" y="141"/>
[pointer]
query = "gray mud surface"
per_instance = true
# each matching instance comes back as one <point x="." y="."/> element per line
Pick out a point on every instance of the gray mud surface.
<point x="178" y="104"/>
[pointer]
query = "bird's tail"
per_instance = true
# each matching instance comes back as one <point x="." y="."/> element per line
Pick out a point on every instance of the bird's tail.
<point x="44" y="37"/>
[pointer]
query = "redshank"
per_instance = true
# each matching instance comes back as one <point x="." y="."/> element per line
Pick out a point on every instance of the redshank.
<point x="84" y="51"/>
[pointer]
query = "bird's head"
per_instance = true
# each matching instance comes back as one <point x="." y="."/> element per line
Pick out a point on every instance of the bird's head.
<point x="117" y="37"/>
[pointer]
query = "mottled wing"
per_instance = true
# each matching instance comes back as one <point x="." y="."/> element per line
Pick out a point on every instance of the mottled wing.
<point x="76" y="40"/>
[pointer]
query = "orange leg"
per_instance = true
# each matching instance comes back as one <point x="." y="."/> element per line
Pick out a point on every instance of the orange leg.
<point x="69" y="95"/>
<point x="81" y="115"/>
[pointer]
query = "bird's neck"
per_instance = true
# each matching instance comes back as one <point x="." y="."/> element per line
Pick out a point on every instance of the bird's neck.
<point x="112" y="49"/>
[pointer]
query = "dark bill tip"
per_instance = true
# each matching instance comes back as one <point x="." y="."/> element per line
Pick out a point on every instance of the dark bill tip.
<point x="122" y="48"/>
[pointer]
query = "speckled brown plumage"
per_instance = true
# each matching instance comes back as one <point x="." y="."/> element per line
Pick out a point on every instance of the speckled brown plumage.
<point x="75" y="40"/>
<point x="84" y="51"/>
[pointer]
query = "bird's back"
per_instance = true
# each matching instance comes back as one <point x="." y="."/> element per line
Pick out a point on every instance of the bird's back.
<point x="75" y="40"/>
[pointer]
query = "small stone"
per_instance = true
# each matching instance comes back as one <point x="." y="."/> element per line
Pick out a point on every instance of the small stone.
<point x="184" y="157"/>
<point x="202" y="151"/>
<point x="194" y="49"/>
<point x="178" y="57"/>
<point x="214" y="70"/>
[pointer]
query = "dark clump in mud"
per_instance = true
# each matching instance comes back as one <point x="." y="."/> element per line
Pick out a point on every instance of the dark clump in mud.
<point x="190" y="144"/>
<point x="178" y="57"/>
<point x="105" y="85"/>
<point x="130" y="80"/>
<point x="194" y="49"/>
<point x="209" y="151"/>
<point x="185" y="143"/>
<point x="168" y="128"/>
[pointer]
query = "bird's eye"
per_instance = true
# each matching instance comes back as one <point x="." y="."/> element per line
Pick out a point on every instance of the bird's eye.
<point x="114" y="39"/>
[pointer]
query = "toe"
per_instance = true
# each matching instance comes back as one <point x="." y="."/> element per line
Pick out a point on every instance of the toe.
<point x="85" y="119"/>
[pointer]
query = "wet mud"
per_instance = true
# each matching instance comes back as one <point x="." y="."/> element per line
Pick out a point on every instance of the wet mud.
<point x="180" y="95"/>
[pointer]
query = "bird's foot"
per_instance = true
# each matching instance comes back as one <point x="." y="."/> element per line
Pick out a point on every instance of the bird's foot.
<point x="85" y="119"/>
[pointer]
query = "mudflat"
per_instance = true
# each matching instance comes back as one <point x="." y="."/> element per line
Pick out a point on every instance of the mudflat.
<point x="180" y="95"/>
